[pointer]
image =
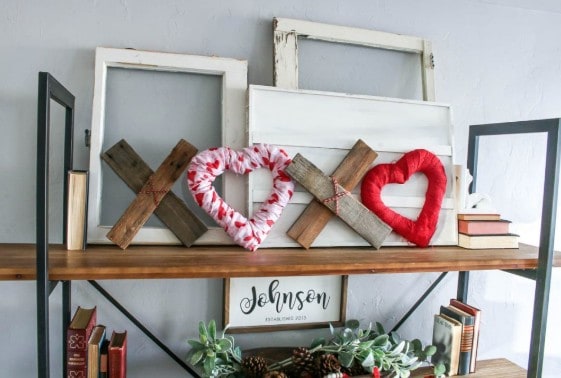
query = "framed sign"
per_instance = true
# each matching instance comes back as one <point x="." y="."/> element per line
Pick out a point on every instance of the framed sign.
<point x="263" y="304"/>
<point x="233" y="76"/>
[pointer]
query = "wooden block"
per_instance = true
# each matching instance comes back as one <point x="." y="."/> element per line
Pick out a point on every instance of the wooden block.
<point x="172" y="211"/>
<point x="352" y="212"/>
<point x="314" y="218"/>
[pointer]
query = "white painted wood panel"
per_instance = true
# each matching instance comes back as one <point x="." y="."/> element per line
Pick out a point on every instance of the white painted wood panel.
<point x="323" y="126"/>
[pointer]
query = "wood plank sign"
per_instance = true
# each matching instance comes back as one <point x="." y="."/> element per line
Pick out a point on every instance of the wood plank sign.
<point x="280" y="303"/>
<point x="324" y="127"/>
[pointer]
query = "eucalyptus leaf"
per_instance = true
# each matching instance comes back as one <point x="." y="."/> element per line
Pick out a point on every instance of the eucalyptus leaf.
<point x="380" y="328"/>
<point x="398" y="348"/>
<point x="212" y="330"/>
<point x="209" y="365"/>
<point x="203" y="333"/>
<point x="317" y="342"/>
<point x="439" y="369"/>
<point x="368" y="361"/>
<point x="430" y="350"/>
<point x="381" y="340"/>
<point x="196" y="344"/>
<point x="224" y="344"/>
<point x="197" y="357"/>
<point x="346" y="359"/>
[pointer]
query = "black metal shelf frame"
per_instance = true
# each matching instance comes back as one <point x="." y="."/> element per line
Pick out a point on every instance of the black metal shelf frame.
<point x="542" y="275"/>
<point x="51" y="89"/>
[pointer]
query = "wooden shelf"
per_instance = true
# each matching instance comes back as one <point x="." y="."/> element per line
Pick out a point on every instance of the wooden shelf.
<point x="17" y="261"/>
<point x="497" y="368"/>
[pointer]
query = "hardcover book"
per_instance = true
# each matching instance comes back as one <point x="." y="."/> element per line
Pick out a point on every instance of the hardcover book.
<point x="77" y="337"/>
<point x="104" y="360"/>
<point x="479" y="216"/>
<point x="446" y="337"/>
<point x="479" y="227"/>
<point x="118" y="355"/>
<point x="466" y="344"/>
<point x="488" y="241"/>
<point x="94" y="347"/>
<point x="76" y="218"/>
<point x="476" y="326"/>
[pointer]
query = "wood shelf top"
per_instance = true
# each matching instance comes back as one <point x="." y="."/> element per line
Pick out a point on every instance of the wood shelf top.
<point x="17" y="261"/>
<point x="496" y="368"/>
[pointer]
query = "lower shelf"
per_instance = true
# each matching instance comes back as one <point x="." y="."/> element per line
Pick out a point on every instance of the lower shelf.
<point x="497" y="368"/>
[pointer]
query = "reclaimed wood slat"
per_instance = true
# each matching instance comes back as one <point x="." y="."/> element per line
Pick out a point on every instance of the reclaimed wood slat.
<point x="349" y="173"/>
<point x="172" y="211"/>
<point x="352" y="212"/>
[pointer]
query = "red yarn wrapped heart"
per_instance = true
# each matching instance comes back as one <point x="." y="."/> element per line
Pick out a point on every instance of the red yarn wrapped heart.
<point x="420" y="231"/>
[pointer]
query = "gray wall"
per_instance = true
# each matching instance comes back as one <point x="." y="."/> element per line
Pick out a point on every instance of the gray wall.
<point x="494" y="62"/>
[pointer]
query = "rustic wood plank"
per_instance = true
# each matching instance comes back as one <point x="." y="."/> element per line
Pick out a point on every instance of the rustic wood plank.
<point x="349" y="173"/>
<point x="351" y="211"/>
<point x="17" y="261"/>
<point x="152" y="189"/>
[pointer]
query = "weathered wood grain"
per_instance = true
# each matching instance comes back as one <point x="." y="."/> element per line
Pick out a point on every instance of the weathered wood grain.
<point x="349" y="173"/>
<point x="352" y="212"/>
<point x="17" y="261"/>
<point x="172" y="211"/>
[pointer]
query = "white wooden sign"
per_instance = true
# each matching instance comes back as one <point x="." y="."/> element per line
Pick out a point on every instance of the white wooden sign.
<point x="234" y="85"/>
<point x="287" y="31"/>
<point x="265" y="303"/>
<point x="323" y="126"/>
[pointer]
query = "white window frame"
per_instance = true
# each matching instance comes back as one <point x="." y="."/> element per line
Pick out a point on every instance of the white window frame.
<point x="287" y="31"/>
<point x="234" y="86"/>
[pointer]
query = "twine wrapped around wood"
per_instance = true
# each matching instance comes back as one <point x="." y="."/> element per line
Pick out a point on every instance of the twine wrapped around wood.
<point x="209" y="164"/>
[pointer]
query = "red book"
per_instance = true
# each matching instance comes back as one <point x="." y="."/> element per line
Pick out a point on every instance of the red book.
<point x="77" y="336"/>
<point x="477" y="315"/>
<point x="483" y="227"/>
<point x="118" y="355"/>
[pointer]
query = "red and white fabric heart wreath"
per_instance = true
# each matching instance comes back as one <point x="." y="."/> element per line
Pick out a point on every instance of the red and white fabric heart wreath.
<point x="211" y="163"/>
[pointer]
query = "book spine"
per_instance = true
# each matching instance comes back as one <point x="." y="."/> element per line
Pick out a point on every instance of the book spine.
<point x="465" y="350"/>
<point x="117" y="363"/>
<point x="77" y="349"/>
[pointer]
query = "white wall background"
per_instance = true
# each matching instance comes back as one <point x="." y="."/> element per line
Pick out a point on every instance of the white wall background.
<point x="496" y="61"/>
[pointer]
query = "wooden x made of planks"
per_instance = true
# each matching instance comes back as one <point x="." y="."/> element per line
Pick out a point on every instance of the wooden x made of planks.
<point x="153" y="193"/>
<point x="337" y="199"/>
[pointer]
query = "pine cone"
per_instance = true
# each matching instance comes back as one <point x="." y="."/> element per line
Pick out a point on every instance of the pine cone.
<point x="327" y="363"/>
<point x="254" y="366"/>
<point x="275" y="374"/>
<point x="303" y="359"/>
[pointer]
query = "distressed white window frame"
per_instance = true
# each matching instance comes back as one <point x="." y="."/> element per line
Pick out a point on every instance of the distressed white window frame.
<point x="287" y="31"/>
<point x="234" y="87"/>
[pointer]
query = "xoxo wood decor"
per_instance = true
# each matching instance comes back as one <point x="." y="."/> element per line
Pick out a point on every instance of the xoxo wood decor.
<point x="337" y="199"/>
<point x="348" y="174"/>
<point x="153" y="193"/>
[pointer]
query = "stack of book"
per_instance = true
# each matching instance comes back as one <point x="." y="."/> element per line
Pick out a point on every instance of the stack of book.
<point x="485" y="231"/>
<point x="456" y="337"/>
<point x="89" y="353"/>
